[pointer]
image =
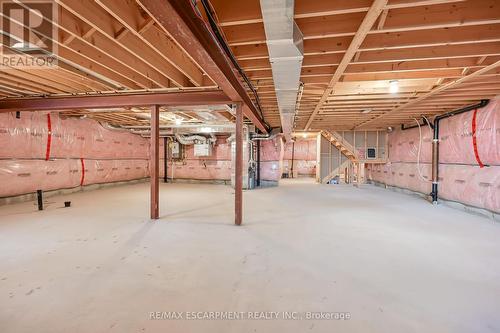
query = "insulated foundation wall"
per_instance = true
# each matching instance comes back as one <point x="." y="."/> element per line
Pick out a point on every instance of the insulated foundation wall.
<point x="271" y="159"/>
<point x="43" y="151"/>
<point x="461" y="176"/>
<point x="218" y="166"/>
<point x="300" y="155"/>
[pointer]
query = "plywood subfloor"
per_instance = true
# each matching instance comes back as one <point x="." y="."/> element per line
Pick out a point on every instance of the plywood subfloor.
<point x="394" y="262"/>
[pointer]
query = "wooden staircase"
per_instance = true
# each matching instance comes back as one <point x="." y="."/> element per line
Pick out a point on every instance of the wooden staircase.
<point x="335" y="172"/>
<point x="342" y="145"/>
<point x="346" y="149"/>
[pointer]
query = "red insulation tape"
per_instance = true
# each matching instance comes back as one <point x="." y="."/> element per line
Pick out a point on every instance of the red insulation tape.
<point x="82" y="179"/>
<point x="474" y="139"/>
<point x="49" y="137"/>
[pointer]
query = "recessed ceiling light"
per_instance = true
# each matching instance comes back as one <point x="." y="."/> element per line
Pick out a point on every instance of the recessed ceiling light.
<point x="393" y="86"/>
<point x="366" y="111"/>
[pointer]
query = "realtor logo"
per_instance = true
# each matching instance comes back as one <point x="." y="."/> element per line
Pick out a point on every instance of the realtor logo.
<point x="29" y="33"/>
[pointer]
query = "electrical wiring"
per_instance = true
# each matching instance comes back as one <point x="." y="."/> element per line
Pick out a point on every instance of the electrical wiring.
<point x="419" y="150"/>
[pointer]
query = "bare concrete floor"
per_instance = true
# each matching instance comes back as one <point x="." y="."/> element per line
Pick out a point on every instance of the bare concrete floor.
<point x="394" y="262"/>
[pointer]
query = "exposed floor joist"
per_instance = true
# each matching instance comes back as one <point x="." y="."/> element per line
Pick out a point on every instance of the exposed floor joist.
<point x="370" y="18"/>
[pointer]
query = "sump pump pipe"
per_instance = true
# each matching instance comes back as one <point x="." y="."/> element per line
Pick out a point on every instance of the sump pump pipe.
<point x="435" y="144"/>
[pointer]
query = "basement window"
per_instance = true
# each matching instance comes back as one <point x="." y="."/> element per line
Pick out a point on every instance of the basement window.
<point x="371" y="153"/>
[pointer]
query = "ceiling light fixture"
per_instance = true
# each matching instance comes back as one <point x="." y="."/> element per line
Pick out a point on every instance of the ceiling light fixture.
<point x="366" y="111"/>
<point x="206" y="130"/>
<point x="393" y="86"/>
<point x="178" y="121"/>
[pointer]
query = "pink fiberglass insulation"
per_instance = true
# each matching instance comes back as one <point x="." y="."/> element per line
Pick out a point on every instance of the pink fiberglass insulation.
<point x="218" y="166"/>
<point x="28" y="137"/>
<point x="304" y="156"/>
<point x="41" y="150"/>
<point x="461" y="178"/>
<point x="271" y="159"/>
<point x="214" y="167"/>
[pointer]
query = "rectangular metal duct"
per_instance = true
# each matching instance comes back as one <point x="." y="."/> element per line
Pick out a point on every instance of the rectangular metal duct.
<point x="286" y="52"/>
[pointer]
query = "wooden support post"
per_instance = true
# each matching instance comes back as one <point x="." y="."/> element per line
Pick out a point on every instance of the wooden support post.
<point x="238" y="179"/>
<point x="154" y="161"/>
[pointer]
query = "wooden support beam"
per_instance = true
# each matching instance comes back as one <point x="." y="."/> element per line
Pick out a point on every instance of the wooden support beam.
<point x="129" y="14"/>
<point x="238" y="179"/>
<point x="92" y="14"/>
<point x="154" y="161"/>
<point x="381" y="20"/>
<point x="183" y="22"/>
<point x="206" y="97"/>
<point x="370" y="18"/>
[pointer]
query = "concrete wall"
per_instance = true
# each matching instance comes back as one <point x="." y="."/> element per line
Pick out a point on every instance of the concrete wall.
<point x="461" y="179"/>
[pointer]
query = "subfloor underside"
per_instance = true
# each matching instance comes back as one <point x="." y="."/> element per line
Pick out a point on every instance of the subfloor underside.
<point x="394" y="262"/>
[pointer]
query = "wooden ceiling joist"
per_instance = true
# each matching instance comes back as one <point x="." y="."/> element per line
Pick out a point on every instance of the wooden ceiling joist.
<point x="441" y="52"/>
<point x="92" y="14"/>
<point x="433" y="92"/>
<point x="370" y="18"/>
<point x="128" y="14"/>
<point x="248" y="12"/>
<point x="398" y="20"/>
<point x="181" y="20"/>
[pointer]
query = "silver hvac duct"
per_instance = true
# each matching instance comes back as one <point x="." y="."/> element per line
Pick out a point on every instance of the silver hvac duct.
<point x="286" y="51"/>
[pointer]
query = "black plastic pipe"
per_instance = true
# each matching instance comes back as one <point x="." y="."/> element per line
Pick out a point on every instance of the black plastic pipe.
<point x="39" y="195"/>
<point x="435" y="143"/>
<point x="424" y="119"/>
<point x="293" y="155"/>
